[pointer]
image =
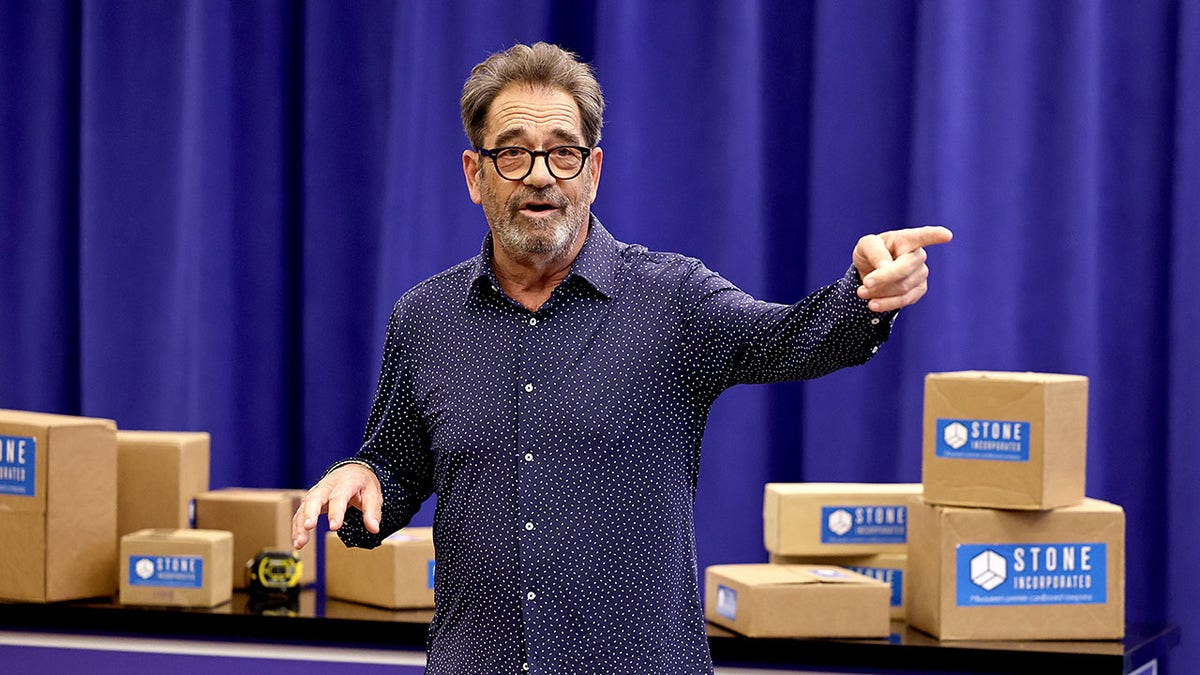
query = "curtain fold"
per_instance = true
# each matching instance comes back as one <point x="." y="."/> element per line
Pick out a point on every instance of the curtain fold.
<point x="208" y="208"/>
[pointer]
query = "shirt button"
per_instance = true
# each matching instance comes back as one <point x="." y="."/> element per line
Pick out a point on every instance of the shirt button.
<point x="874" y="350"/>
<point x="531" y="595"/>
<point x="529" y="457"/>
<point x="495" y="288"/>
<point x="875" y="321"/>
<point x="528" y="386"/>
<point x="533" y="321"/>
<point x="528" y="526"/>
<point x="524" y="666"/>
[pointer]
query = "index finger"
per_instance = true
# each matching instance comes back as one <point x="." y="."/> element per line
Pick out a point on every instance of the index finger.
<point x="913" y="238"/>
<point x="306" y="516"/>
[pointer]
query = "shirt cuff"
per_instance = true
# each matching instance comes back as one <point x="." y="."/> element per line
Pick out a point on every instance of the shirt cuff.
<point x="344" y="462"/>
<point x="850" y="282"/>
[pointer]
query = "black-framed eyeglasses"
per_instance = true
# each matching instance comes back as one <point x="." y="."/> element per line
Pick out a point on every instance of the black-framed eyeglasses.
<point x="513" y="162"/>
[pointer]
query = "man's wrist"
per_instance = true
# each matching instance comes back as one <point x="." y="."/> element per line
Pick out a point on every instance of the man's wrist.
<point x="345" y="462"/>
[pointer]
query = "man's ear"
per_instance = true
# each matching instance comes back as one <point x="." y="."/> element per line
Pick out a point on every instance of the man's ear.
<point x="597" y="160"/>
<point x="471" y="173"/>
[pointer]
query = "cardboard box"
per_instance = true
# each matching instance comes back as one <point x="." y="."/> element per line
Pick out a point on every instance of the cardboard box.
<point x="836" y="519"/>
<point x="58" y="507"/>
<point x="176" y="567"/>
<point x="158" y="474"/>
<point x="990" y="574"/>
<point x="760" y="600"/>
<point x="1005" y="440"/>
<point x="398" y="574"/>
<point x="889" y="568"/>
<point x="258" y="518"/>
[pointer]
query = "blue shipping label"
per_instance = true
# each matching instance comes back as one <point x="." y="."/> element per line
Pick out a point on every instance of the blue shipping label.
<point x="174" y="571"/>
<point x="18" y="461"/>
<point x="1002" y="440"/>
<point x="1031" y="574"/>
<point x="432" y="566"/>
<point x="864" y="524"/>
<point x="891" y="575"/>
<point x="727" y="602"/>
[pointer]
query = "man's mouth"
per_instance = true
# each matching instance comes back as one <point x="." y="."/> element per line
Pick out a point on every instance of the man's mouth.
<point x="537" y="208"/>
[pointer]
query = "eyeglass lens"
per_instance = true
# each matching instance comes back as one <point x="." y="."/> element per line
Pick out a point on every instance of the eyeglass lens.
<point x="516" y="163"/>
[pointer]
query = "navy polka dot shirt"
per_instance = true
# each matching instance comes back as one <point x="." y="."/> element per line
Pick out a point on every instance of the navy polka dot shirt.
<point x="563" y="446"/>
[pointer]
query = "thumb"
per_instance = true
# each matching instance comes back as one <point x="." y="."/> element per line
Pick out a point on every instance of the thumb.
<point x="870" y="254"/>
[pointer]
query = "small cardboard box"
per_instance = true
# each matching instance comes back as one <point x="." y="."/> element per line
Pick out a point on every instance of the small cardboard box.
<point x="398" y="574"/>
<point x="990" y="574"/>
<point x="836" y="519"/>
<point x="889" y="568"/>
<point x="158" y="474"/>
<point x="176" y="567"/>
<point x="1005" y="440"/>
<point x="258" y="518"/>
<point x="764" y="600"/>
<point x="58" y="507"/>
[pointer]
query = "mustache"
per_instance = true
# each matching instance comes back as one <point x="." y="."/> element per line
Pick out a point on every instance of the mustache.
<point x="549" y="195"/>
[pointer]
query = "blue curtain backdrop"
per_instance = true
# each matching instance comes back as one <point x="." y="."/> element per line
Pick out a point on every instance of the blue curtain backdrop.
<point x="207" y="209"/>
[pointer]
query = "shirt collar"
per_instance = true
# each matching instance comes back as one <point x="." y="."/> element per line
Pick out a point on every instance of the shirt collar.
<point x="594" y="265"/>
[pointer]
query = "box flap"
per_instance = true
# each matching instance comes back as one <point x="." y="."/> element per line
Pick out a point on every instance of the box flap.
<point x="241" y="494"/>
<point x="180" y="534"/>
<point x="162" y="437"/>
<point x="760" y="574"/>
<point x="51" y="419"/>
<point x="1027" y="376"/>
<point x="844" y="488"/>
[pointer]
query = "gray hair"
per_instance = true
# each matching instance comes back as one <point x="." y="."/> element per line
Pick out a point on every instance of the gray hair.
<point x="542" y="65"/>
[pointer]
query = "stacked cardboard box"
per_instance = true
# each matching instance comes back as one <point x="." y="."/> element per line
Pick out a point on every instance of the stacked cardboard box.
<point x="859" y="526"/>
<point x="398" y="574"/>
<point x="890" y="568"/>
<point x="159" y="473"/>
<point x="176" y="567"/>
<point x="58" y="507"/>
<point x="1003" y="544"/>
<point x="796" y="601"/>
<point x="832" y="570"/>
<point x="259" y="518"/>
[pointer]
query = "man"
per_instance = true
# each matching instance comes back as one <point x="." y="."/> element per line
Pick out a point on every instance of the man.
<point x="553" y="391"/>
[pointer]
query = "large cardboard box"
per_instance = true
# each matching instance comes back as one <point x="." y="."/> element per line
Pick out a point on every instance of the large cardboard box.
<point x="990" y="574"/>
<point x="1005" y="440"/>
<point x="836" y="519"/>
<point x="176" y="567"/>
<point x="58" y="507"/>
<point x="889" y="568"/>
<point x="764" y="600"/>
<point x="258" y="518"/>
<point x="158" y="474"/>
<point x="398" y="574"/>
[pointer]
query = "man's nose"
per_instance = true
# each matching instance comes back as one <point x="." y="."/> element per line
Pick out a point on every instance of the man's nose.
<point x="539" y="176"/>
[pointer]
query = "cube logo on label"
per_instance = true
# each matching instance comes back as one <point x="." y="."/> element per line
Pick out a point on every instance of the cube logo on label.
<point x="955" y="435"/>
<point x="18" y="462"/>
<point x="840" y="522"/>
<point x="727" y="602"/>
<point x="998" y="440"/>
<point x="144" y="568"/>
<point x="864" y="524"/>
<point x="168" y="571"/>
<point x="988" y="570"/>
<point x="1031" y="574"/>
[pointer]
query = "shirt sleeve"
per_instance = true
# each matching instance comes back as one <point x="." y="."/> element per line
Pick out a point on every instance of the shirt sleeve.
<point x="395" y="445"/>
<point x="740" y="340"/>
